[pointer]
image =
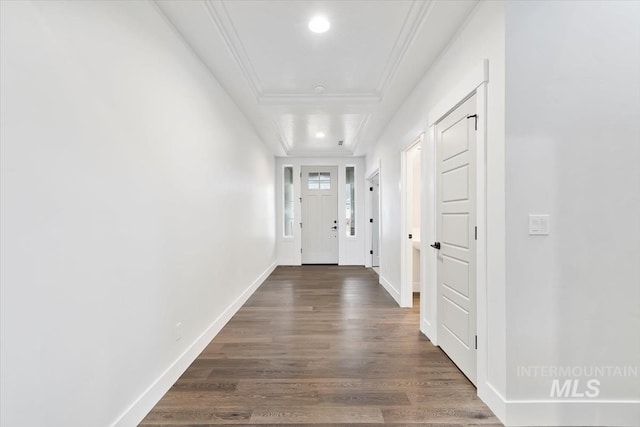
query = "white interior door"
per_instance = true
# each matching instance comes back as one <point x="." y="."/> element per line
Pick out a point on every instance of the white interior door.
<point x="455" y="198"/>
<point x="319" y="214"/>
<point x="375" y="221"/>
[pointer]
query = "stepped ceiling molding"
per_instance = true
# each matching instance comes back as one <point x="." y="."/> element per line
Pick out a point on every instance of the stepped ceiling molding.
<point x="304" y="92"/>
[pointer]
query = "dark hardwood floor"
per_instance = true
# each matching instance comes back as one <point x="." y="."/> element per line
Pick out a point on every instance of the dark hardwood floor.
<point x="321" y="345"/>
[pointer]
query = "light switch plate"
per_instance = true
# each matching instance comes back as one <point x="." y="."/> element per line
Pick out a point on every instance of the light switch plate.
<point x="538" y="225"/>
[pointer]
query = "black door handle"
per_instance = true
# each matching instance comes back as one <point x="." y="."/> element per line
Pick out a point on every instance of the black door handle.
<point x="335" y="227"/>
<point x="436" y="245"/>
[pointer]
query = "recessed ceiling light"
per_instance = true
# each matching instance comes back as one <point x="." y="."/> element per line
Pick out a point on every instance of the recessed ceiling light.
<point x="319" y="24"/>
<point x="320" y="135"/>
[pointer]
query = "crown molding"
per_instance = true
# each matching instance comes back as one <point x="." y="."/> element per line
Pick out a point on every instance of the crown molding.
<point x="324" y="99"/>
<point x="349" y="147"/>
<point x="418" y="12"/>
<point x="221" y="20"/>
<point x="357" y="138"/>
<point x="281" y="136"/>
<point x="319" y="153"/>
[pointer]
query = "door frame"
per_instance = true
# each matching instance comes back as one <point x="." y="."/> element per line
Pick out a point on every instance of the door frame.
<point x="474" y="82"/>
<point x="369" y="234"/>
<point x="406" y="209"/>
<point x="340" y="226"/>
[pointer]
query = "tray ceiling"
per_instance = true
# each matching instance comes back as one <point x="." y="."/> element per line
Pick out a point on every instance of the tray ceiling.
<point x="304" y="92"/>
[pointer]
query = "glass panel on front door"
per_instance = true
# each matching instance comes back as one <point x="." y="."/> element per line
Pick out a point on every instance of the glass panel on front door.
<point x="288" y="201"/>
<point x="319" y="181"/>
<point x="350" y="201"/>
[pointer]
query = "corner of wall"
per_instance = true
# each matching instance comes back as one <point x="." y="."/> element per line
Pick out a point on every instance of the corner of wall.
<point x="150" y="397"/>
<point x="395" y="293"/>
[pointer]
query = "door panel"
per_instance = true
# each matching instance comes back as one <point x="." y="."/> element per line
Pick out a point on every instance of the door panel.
<point x="455" y="192"/>
<point x="319" y="215"/>
<point x="455" y="230"/>
<point x="455" y="185"/>
<point x="455" y="274"/>
<point x="456" y="321"/>
<point x="454" y="139"/>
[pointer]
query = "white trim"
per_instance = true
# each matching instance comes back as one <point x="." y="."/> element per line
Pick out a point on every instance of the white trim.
<point x="560" y="412"/>
<point x="624" y="413"/>
<point x="474" y="82"/>
<point x="429" y="310"/>
<point x="310" y="98"/>
<point x="369" y="214"/>
<point x="368" y="246"/>
<point x="474" y="78"/>
<point x="482" y="354"/>
<point x="390" y="289"/>
<point x="406" y="208"/>
<point x="350" y="248"/>
<point x="148" y="399"/>
<point x="418" y="13"/>
<point x="494" y="400"/>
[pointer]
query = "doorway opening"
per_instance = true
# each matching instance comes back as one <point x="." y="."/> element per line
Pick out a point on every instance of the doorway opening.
<point x="411" y="224"/>
<point x="374" y="252"/>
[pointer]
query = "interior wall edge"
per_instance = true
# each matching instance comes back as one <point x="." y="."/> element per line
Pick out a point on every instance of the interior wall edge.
<point x="392" y="290"/>
<point x="135" y="413"/>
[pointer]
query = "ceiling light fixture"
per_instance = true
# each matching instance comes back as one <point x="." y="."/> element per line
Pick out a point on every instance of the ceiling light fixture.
<point x="320" y="135"/>
<point x="319" y="24"/>
<point x="319" y="89"/>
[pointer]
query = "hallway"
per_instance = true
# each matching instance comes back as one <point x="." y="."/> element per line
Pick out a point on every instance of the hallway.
<point x="321" y="345"/>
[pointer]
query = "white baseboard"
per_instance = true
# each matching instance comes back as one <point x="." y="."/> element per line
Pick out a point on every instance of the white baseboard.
<point x="494" y="400"/>
<point x="148" y="399"/>
<point x="428" y="329"/>
<point x="582" y="413"/>
<point x="390" y="289"/>
<point x="564" y="413"/>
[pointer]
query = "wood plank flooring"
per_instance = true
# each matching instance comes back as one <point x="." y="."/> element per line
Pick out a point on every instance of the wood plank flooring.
<point x="321" y="345"/>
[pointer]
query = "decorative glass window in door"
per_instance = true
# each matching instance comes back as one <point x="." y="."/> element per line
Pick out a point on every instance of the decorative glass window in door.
<point x="319" y="181"/>
<point x="288" y="201"/>
<point x="351" y="201"/>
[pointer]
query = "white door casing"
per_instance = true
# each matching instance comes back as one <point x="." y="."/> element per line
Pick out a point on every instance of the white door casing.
<point x="375" y="223"/>
<point x="319" y="190"/>
<point x="455" y="231"/>
<point x="410" y="207"/>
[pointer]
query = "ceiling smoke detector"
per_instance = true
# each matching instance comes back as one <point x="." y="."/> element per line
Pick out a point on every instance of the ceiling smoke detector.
<point x="319" y="89"/>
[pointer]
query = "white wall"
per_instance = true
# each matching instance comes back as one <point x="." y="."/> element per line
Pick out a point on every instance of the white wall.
<point x="482" y="37"/>
<point x="351" y="249"/>
<point x="573" y="149"/>
<point x="134" y="196"/>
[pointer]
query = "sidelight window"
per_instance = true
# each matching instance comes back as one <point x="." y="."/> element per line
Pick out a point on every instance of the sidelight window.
<point x="351" y="201"/>
<point x="287" y="191"/>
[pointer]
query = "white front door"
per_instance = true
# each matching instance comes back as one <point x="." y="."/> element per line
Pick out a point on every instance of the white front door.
<point x="455" y="144"/>
<point x="319" y="214"/>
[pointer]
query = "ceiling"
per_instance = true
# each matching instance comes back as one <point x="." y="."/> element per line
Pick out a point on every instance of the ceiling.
<point x="305" y="92"/>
